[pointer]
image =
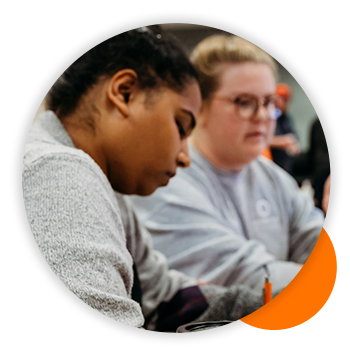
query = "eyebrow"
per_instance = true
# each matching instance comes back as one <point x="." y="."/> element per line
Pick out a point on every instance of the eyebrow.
<point x="193" y="120"/>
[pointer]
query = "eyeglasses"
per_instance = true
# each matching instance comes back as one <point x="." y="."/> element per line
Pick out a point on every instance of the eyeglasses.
<point x="246" y="106"/>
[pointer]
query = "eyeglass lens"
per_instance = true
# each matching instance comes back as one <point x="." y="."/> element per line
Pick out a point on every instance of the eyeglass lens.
<point x="247" y="106"/>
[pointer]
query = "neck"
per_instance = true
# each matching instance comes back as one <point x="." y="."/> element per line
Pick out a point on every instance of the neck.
<point x="204" y="144"/>
<point x="85" y="138"/>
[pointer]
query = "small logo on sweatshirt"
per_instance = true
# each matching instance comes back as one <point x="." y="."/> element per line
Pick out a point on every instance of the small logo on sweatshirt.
<point x="263" y="208"/>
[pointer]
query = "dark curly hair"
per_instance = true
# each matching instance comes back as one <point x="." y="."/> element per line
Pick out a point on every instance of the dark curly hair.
<point x="157" y="60"/>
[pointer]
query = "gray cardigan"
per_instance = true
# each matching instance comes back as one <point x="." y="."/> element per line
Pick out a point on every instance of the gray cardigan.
<point x="91" y="238"/>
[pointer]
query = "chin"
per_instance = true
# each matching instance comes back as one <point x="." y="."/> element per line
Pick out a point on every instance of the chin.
<point x="146" y="191"/>
<point x="250" y="157"/>
<point x="149" y="189"/>
<point x="144" y="188"/>
<point x="256" y="152"/>
<point x="138" y="192"/>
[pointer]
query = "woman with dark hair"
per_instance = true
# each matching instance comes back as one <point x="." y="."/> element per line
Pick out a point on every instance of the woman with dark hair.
<point x="118" y="123"/>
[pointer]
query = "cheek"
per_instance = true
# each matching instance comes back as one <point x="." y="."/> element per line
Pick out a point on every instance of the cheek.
<point x="237" y="130"/>
<point x="166" y="142"/>
<point x="225" y="128"/>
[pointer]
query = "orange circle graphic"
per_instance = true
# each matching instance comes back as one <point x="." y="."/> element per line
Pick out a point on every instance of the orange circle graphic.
<point x="305" y="295"/>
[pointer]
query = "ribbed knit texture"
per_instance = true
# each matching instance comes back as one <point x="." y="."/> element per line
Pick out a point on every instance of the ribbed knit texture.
<point x="91" y="238"/>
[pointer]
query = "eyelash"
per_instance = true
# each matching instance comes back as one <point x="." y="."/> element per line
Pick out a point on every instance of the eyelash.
<point x="181" y="130"/>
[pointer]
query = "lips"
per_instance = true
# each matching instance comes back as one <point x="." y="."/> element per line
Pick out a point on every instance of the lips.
<point x="170" y="174"/>
<point x="167" y="177"/>
<point x="256" y="134"/>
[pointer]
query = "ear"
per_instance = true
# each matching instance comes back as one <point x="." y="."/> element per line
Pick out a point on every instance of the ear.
<point x="121" y="88"/>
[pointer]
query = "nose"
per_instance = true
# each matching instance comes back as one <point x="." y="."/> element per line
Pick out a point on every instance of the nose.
<point x="262" y="113"/>
<point x="183" y="158"/>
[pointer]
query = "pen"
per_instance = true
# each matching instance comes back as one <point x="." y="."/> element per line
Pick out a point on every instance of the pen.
<point x="319" y="328"/>
<point x="267" y="287"/>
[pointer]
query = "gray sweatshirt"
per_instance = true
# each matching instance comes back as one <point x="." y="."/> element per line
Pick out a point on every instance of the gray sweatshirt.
<point x="223" y="227"/>
<point x="92" y="239"/>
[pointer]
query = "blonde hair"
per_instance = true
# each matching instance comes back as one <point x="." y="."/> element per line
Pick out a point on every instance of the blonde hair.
<point x="211" y="52"/>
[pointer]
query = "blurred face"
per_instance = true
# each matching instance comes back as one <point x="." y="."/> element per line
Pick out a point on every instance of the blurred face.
<point x="154" y="139"/>
<point x="282" y="103"/>
<point x="233" y="141"/>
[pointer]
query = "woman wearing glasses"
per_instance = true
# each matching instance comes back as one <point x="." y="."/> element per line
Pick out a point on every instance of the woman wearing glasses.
<point x="233" y="213"/>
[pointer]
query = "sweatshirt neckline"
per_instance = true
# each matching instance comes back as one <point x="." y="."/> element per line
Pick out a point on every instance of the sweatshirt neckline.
<point x="203" y="162"/>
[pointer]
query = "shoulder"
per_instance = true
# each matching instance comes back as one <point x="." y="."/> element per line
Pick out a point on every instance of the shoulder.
<point x="265" y="173"/>
<point x="46" y="156"/>
<point x="192" y="184"/>
<point x="262" y="165"/>
<point x="63" y="166"/>
<point x="187" y="191"/>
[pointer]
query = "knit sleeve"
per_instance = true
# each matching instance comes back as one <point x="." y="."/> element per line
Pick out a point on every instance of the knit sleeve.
<point x="170" y="298"/>
<point x="232" y="303"/>
<point x="158" y="283"/>
<point x="76" y="222"/>
<point x="206" y="303"/>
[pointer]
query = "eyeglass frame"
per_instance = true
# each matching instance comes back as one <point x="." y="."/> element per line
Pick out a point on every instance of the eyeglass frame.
<point x="260" y="102"/>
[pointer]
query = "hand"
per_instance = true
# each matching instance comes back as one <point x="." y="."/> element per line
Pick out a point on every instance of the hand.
<point x="287" y="142"/>
<point x="294" y="148"/>
<point x="308" y="327"/>
<point x="326" y="191"/>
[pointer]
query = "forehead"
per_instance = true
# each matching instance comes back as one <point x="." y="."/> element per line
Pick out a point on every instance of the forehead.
<point x="189" y="99"/>
<point x="189" y="95"/>
<point x="247" y="77"/>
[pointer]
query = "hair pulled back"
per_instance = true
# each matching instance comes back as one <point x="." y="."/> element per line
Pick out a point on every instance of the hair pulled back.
<point x="215" y="50"/>
<point x="157" y="60"/>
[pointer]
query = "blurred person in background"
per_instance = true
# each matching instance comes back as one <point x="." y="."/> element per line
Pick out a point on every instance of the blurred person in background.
<point x="233" y="213"/>
<point x="314" y="165"/>
<point x="284" y="145"/>
<point x="326" y="193"/>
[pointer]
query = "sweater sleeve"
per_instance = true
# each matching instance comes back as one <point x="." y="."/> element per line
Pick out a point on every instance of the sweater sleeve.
<point x="171" y="298"/>
<point x="76" y="222"/>
<point x="158" y="284"/>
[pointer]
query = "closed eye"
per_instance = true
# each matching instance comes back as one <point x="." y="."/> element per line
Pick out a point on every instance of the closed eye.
<point x="243" y="101"/>
<point x="181" y="130"/>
